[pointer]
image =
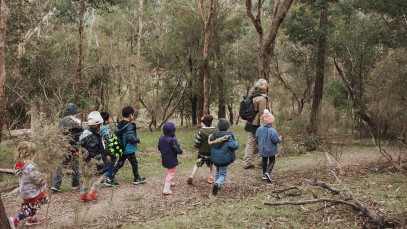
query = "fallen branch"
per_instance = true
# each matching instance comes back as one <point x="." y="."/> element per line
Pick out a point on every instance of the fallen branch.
<point x="9" y="171"/>
<point x="302" y="202"/>
<point x="9" y="189"/>
<point x="286" y="189"/>
<point x="350" y="200"/>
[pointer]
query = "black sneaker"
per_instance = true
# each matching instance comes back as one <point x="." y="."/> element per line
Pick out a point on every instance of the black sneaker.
<point x="215" y="189"/>
<point x="110" y="182"/>
<point x="139" y="180"/>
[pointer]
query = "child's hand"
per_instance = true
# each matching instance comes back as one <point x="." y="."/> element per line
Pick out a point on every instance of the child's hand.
<point x="224" y="138"/>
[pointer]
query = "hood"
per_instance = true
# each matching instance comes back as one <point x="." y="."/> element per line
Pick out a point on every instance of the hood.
<point x="218" y="135"/>
<point x="121" y="126"/>
<point x="19" y="167"/>
<point x="85" y="134"/>
<point x="206" y="131"/>
<point x="169" y="129"/>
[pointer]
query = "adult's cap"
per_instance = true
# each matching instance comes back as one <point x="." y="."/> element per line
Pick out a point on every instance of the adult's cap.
<point x="71" y="109"/>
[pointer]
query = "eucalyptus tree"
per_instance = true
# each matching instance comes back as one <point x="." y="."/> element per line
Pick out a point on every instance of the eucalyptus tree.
<point x="266" y="39"/>
<point x="3" y="27"/>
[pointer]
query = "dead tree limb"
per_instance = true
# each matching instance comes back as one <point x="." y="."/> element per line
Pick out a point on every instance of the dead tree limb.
<point x="302" y="202"/>
<point x="350" y="200"/>
<point x="286" y="189"/>
<point x="9" y="171"/>
<point x="9" y="189"/>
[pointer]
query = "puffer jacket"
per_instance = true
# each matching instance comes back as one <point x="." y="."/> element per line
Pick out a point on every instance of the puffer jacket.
<point x="31" y="182"/>
<point x="267" y="139"/>
<point x="93" y="143"/>
<point x="127" y="132"/>
<point x="169" y="147"/>
<point x="223" y="153"/>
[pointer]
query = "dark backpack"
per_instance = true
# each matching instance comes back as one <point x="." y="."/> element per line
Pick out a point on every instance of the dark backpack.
<point x="247" y="111"/>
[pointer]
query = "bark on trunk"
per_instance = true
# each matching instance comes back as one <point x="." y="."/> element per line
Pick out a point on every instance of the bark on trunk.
<point x="266" y="45"/>
<point x="320" y="72"/>
<point x="3" y="26"/>
<point x="140" y="31"/>
<point x="222" y="102"/>
<point x="4" y="224"/>
<point x="78" y="83"/>
<point x="208" y="22"/>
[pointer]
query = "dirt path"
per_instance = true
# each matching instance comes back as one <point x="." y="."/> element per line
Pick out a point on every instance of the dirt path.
<point x="128" y="204"/>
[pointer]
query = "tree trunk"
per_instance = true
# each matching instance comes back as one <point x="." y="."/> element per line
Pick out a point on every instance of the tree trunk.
<point x="4" y="224"/>
<point x="222" y="102"/>
<point x="207" y="20"/>
<point x="3" y="25"/>
<point x="231" y="115"/>
<point x="78" y="83"/>
<point x="194" y="105"/>
<point x="139" y="33"/>
<point x="266" y="46"/>
<point x="320" y="71"/>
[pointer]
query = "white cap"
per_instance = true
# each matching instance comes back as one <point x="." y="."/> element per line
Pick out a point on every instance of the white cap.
<point x="94" y="118"/>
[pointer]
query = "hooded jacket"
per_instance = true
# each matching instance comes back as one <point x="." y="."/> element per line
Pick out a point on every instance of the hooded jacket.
<point x="32" y="185"/>
<point x="126" y="130"/>
<point x="92" y="142"/>
<point x="223" y="153"/>
<point x="267" y="139"/>
<point x="169" y="147"/>
<point x="201" y="140"/>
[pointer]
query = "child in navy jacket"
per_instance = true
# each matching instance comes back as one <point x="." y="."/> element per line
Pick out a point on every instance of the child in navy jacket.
<point x="169" y="148"/>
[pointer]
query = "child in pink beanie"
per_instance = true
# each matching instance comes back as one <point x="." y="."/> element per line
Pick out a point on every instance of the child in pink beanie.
<point x="267" y="140"/>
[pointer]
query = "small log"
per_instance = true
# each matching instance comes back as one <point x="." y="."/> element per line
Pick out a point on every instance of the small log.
<point x="302" y="202"/>
<point x="8" y="171"/>
<point x="9" y="189"/>
<point x="286" y="189"/>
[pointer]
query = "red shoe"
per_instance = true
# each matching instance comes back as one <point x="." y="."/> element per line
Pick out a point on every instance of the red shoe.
<point x="84" y="196"/>
<point x="211" y="180"/>
<point x="190" y="179"/>
<point x="34" y="221"/>
<point x="92" y="194"/>
<point x="13" y="222"/>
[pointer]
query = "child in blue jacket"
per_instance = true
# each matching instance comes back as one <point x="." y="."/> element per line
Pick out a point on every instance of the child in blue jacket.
<point x="223" y="146"/>
<point x="267" y="140"/>
<point x="169" y="148"/>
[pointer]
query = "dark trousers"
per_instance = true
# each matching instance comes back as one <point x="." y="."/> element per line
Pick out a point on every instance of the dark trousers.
<point x="120" y="162"/>
<point x="267" y="163"/>
<point x="73" y="160"/>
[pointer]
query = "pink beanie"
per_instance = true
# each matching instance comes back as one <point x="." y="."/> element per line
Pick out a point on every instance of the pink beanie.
<point x="268" y="117"/>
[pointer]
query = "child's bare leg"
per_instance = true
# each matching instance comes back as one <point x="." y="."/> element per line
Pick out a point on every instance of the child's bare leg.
<point x="211" y="178"/>
<point x="192" y="176"/>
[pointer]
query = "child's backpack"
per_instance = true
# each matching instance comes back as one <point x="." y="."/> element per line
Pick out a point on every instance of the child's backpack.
<point x="246" y="110"/>
<point x="116" y="146"/>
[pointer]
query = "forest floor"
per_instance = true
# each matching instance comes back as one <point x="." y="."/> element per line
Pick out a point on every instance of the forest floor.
<point x="240" y="202"/>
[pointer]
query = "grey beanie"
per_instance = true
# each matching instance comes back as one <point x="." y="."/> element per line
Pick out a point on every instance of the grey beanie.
<point x="71" y="109"/>
<point x="223" y="124"/>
